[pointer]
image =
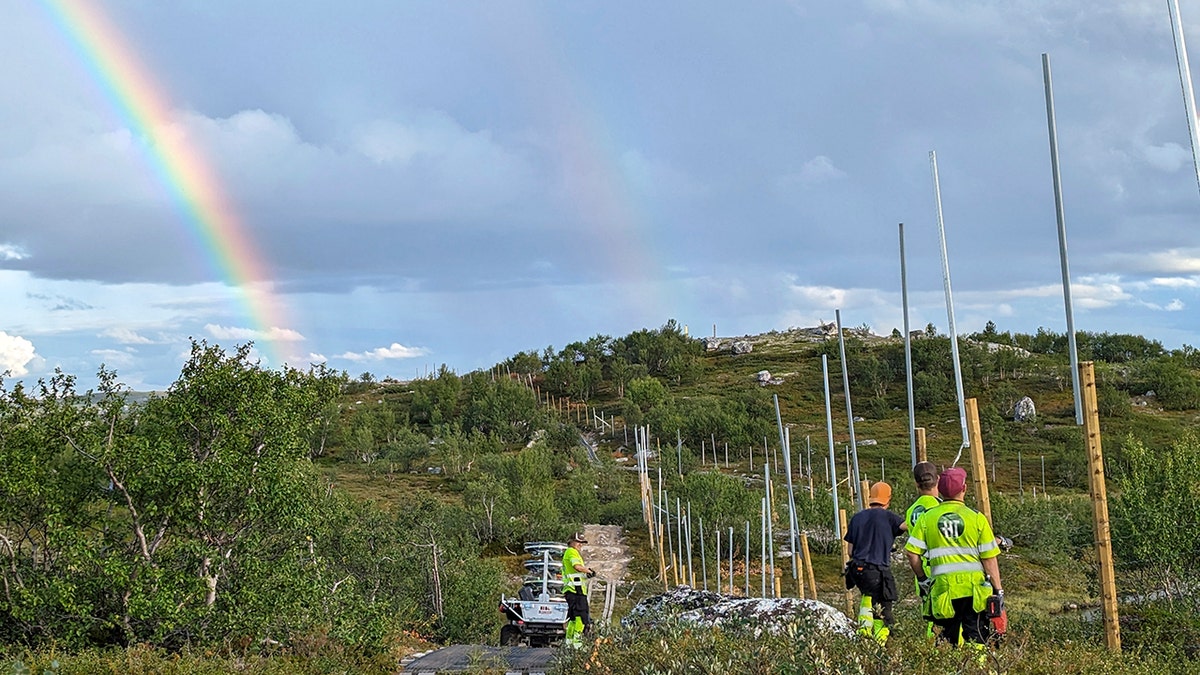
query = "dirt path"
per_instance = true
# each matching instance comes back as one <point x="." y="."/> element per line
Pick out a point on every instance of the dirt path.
<point x="606" y="551"/>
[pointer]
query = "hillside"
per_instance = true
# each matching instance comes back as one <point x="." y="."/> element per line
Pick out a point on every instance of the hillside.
<point x="390" y="515"/>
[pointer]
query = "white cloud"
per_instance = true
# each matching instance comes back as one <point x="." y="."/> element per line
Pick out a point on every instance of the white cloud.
<point x="126" y="336"/>
<point x="12" y="252"/>
<point x="395" y="351"/>
<point x="1174" y="305"/>
<point x="274" y="334"/>
<point x="819" y="169"/>
<point x="1168" y="157"/>
<point x="1176" y="282"/>
<point x="115" y="358"/>
<point x="15" y="354"/>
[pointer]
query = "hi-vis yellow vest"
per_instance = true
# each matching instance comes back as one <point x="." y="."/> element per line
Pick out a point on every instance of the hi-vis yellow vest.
<point x="954" y="539"/>
<point x="573" y="582"/>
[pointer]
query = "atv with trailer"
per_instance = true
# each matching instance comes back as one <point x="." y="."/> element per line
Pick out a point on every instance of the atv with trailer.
<point x="537" y="616"/>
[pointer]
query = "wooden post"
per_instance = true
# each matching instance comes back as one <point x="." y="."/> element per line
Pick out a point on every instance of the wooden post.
<point x="866" y="491"/>
<point x="799" y="573"/>
<point x="812" y="578"/>
<point x="978" y="464"/>
<point x="851" y="610"/>
<point x="921" y="456"/>
<point x="1108" y="584"/>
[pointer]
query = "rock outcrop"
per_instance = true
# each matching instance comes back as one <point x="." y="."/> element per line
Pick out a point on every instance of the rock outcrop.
<point x="705" y="608"/>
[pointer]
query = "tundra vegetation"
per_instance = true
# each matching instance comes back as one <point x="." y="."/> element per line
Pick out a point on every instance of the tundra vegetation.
<point x="273" y="521"/>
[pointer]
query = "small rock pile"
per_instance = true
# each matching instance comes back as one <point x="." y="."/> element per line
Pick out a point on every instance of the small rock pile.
<point x="705" y="608"/>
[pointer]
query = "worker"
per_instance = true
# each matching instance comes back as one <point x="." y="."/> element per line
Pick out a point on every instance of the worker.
<point x="925" y="475"/>
<point x="575" y="576"/>
<point x="871" y="534"/>
<point x="963" y="581"/>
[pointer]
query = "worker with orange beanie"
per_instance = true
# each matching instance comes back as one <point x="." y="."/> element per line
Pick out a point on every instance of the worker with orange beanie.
<point x="871" y="534"/>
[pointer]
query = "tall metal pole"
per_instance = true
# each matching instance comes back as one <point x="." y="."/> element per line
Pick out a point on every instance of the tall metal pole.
<point x="1185" y="83"/>
<point x="908" y="368"/>
<point x="837" y="521"/>
<point x="1062" y="236"/>
<point x="858" y="497"/>
<point x="787" y="467"/>
<point x="958" y="383"/>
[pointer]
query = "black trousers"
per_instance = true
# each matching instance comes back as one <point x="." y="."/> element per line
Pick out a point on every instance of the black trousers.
<point x="975" y="626"/>
<point x="878" y="583"/>
<point x="577" y="606"/>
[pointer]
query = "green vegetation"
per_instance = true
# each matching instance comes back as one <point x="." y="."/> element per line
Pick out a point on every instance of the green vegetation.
<point x="289" y="521"/>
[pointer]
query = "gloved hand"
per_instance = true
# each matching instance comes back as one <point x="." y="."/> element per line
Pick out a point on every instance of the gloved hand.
<point x="925" y="585"/>
<point x="995" y="605"/>
<point x="591" y="573"/>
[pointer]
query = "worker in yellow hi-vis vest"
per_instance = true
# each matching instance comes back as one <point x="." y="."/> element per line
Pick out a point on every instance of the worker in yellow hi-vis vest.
<point x="963" y="583"/>
<point x="575" y="576"/>
<point x="925" y="475"/>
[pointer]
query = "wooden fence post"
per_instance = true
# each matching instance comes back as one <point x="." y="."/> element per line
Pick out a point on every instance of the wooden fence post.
<point x="978" y="465"/>
<point x="1108" y="584"/>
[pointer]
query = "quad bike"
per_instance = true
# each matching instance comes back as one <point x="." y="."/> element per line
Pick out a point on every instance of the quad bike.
<point x="537" y="616"/>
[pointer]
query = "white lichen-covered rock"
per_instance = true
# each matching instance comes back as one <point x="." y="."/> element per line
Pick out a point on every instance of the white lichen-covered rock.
<point x="741" y="347"/>
<point x="763" y="376"/>
<point x="1024" y="410"/>
<point x="708" y="609"/>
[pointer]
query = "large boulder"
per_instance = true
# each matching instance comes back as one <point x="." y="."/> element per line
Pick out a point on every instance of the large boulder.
<point x="708" y="609"/>
<point x="741" y="347"/>
<point x="1024" y="410"/>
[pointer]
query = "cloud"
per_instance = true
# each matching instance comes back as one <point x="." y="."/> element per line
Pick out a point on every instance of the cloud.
<point x="395" y="351"/>
<point x="126" y="336"/>
<point x="12" y="252"/>
<point x="275" y="334"/>
<point x="819" y="169"/>
<point x="1168" y="157"/>
<point x="115" y="358"/>
<point x="15" y="354"/>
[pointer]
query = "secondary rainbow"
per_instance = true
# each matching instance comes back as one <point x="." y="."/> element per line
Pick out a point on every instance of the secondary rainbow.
<point x="182" y="168"/>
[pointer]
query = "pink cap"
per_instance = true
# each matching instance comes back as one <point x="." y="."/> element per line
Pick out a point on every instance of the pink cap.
<point x="952" y="482"/>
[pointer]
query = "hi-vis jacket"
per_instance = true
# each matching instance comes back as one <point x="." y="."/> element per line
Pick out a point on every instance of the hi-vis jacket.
<point x="573" y="581"/>
<point x="954" y="539"/>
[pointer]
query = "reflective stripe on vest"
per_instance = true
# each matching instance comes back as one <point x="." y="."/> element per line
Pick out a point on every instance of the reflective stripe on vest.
<point x="951" y="568"/>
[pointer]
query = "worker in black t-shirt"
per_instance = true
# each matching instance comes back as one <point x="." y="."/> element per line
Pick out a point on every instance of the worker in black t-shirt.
<point x="871" y="533"/>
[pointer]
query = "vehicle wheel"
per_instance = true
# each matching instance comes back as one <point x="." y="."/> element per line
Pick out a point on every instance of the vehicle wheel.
<point x="510" y="636"/>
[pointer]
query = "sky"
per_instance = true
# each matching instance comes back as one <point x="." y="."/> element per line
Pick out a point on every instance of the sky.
<point x="387" y="186"/>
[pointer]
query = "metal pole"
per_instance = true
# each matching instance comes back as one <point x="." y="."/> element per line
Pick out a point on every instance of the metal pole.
<point x="958" y="383"/>
<point x="1185" y="82"/>
<point x="747" y="558"/>
<point x="770" y="528"/>
<point x="1044" y="476"/>
<point x="908" y="368"/>
<point x="1020" y="477"/>
<point x="858" y="497"/>
<point x="787" y="467"/>
<point x="703" y="559"/>
<point x="762" y="521"/>
<point x="731" y="560"/>
<point x="679" y="452"/>
<point x="718" y="560"/>
<point x="837" y="527"/>
<point x="1062" y="232"/>
<point x="691" y="560"/>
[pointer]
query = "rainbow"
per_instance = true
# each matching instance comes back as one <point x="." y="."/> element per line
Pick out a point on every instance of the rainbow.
<point x="181" y="167"/>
